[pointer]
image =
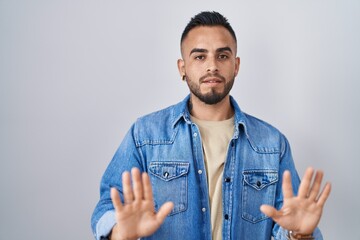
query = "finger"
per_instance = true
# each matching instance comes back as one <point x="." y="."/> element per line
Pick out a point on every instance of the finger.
<point x="115" y="198"/>
<point x="164" y="211"/>
<point x="270" y="211"/>
<point x="315" y="189"/>
<point x="137" y="184"/>
<point x="324" y="195"/>
<point x="148" y="195"/>
<point x="305" y="183"/>
<point x="127" y="189"/>
<point x="286" y="185"/>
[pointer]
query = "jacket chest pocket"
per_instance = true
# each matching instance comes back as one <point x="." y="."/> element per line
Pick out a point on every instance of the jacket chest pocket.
<point x="259" y="187"/>
<point x="169" y="183"/>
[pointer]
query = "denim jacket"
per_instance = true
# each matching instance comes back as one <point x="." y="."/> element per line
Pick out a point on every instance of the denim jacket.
<point x="167" y="145"/>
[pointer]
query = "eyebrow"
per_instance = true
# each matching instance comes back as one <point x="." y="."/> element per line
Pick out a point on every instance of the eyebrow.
<point x="202" y="50"/>
<point x="224" y="49"/>
<point x="198" y="50"/>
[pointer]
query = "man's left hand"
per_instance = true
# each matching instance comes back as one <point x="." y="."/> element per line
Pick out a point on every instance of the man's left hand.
<point x="300" y="214"/>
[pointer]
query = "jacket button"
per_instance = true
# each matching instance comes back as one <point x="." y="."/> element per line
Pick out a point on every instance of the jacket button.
<point x="226" y="216"/>
<point x="258" y="183"/>
<point x="227" y="179"/>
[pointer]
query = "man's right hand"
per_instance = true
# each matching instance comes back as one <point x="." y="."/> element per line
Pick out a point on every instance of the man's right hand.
<point x="136" y="217"/>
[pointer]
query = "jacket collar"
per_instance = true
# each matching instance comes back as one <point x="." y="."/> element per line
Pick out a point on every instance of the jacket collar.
<point x="181" y="113"/>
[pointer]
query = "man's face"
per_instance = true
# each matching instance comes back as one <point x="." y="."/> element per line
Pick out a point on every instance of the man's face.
<point x="209" y="63"/>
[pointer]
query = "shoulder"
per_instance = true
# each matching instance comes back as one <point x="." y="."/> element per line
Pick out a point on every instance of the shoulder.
<point x="263" y="136"/>
<point x="256" y="130"/>
<point x="156" y="127"/>
<point x="162" y="115"/>
<point x="255" y="124"/>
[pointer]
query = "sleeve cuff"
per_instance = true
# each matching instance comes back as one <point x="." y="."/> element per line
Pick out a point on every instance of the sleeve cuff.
<point x="105" y="225"/>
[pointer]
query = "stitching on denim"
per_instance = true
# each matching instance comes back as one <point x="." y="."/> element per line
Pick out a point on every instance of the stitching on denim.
<point x="141" y="143"/>
<point x="247" y="216"/>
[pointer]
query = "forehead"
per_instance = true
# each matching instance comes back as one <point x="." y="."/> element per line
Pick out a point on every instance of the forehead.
<point x="208" y="37"/>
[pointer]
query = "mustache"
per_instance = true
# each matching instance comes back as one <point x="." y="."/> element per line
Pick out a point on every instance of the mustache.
<point x="214" y="75"/>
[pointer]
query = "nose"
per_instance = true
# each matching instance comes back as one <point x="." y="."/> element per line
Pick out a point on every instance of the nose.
<point x="212" y="65"/>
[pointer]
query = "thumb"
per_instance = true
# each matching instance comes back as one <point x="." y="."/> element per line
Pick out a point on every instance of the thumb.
<point x="269" y="211"/>
<point x="164" y="210"/>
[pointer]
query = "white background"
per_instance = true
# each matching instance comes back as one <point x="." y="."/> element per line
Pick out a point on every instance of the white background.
<point x="75" y="74"/>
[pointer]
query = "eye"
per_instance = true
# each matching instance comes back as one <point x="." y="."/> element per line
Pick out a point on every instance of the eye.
<point x="223" y="56"/>
<point x="200" y="57"/>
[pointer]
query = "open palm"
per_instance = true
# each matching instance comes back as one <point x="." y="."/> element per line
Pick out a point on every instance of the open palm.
<point x="300" y="213"/>
<point x="136" y="217"/>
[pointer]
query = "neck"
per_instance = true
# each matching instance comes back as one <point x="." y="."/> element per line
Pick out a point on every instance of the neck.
<point x="215" y="112"/>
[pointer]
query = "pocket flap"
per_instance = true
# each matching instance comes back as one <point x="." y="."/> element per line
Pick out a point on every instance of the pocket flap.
<point x="168" y="171"/>
<point x="259" y="179"/>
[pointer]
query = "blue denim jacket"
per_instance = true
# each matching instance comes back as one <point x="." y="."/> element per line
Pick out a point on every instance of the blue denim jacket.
<point x="167" y="145"/>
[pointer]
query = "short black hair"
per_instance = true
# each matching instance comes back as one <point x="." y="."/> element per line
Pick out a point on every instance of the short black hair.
<point x="208" y="19"/>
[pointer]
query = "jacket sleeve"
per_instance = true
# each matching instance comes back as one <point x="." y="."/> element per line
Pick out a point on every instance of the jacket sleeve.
<point x="287" y="163"/>
<point x="126" y="157"/>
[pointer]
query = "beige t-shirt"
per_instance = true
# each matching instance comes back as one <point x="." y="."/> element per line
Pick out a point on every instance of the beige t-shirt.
<point x="216" y="136"/>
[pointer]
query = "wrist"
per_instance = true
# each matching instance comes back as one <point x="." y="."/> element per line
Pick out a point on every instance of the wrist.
<point x="298" y="236"/>
<point x="115" y="234"/>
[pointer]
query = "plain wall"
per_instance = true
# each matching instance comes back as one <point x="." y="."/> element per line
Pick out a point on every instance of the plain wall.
<point x="75" y="74"/>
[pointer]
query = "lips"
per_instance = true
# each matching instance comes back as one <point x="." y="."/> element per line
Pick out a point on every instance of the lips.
<point x="211" y="80"/>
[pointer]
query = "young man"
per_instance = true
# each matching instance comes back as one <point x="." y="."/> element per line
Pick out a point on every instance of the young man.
<point x="209" y="170"/>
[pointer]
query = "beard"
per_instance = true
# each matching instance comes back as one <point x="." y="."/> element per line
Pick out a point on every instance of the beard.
<point x="212" y="97"/>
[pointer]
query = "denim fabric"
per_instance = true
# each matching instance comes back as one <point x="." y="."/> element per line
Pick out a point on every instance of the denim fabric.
<point x="167" y="145"/>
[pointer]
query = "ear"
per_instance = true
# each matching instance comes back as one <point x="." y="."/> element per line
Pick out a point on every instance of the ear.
<point x="181" y="67"/>
<point x="237" y="66"/>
